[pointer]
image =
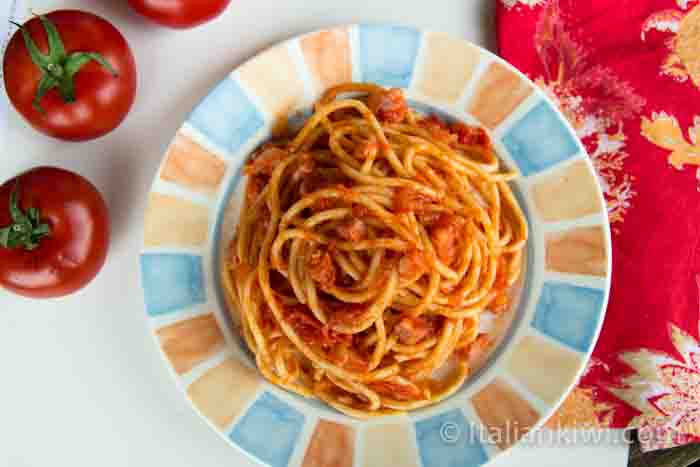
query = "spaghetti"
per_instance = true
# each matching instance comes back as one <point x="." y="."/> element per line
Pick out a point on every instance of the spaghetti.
<point x="368" y="247"/>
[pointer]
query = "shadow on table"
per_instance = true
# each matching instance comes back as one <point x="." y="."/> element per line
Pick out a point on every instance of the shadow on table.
<point x="487" y="12"/>
<point x="677" y="457"/>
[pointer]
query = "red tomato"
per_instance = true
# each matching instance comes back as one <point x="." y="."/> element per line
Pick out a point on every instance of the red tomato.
<point x="180" y="14"/>
<point x="63" y="235"/>
<point x="89" y="69"/>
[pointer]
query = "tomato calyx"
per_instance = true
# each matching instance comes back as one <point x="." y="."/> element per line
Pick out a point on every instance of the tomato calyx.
<point x="58" y="67"/>
<point x="26" y="230"/>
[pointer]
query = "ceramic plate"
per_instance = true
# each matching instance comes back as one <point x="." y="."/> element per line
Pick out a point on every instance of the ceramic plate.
<point x="545" y="340"/>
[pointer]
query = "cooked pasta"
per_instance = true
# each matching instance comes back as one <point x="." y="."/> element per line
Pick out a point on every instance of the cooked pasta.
<point x="369" y="244"/>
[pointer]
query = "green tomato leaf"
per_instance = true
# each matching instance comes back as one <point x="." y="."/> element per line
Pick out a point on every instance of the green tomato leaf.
<point x="15" y="212"/>
<point x="39" y="59"/>
<point x="67" y="89"/>
<point x="77" y="60"/>
<point x="30" y="244"/>
<point x="45" y="85"/>
<point x="14" y="239"/>
<point x="57" y="52"/>
<point x="42" y="230"/>
<point x="33" y="214"/>
<point x="5" y="237"/>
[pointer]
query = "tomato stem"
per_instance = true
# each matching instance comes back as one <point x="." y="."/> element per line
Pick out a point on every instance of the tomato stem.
<point x="27" y="230"/>
<point x="58" y="67"/>
<point x="56" y="70"/>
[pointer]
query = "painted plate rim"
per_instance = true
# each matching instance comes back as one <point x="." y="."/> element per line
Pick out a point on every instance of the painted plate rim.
<point x="169" y="257"/>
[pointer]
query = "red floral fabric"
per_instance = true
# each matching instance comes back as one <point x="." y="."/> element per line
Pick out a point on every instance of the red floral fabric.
<point x="626" y="73"/>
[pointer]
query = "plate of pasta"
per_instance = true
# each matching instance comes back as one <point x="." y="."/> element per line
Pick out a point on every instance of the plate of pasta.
<point x="372" y="237"/>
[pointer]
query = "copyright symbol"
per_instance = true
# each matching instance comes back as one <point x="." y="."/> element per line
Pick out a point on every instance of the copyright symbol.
<point x="450" y="432"/>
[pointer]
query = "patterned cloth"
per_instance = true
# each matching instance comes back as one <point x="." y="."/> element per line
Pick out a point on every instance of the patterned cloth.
<point x="626" y="73"/>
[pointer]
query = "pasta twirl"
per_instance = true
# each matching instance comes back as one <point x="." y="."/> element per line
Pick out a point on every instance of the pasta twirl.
<point x="369" y="244"/>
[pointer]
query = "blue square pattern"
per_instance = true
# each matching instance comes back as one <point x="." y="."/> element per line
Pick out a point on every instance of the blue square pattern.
<point x="569" y="314"/>
<point x="227" y="117"/>
<point x="269" y="430"/>
<point x="448" y="440"/>
<point x="171" y="282"/>
<point x="388" y="54"/>
<point x="539" y="140"/>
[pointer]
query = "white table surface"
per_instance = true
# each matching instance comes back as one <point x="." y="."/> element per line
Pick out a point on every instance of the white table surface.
<point x="82" y="382"/>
